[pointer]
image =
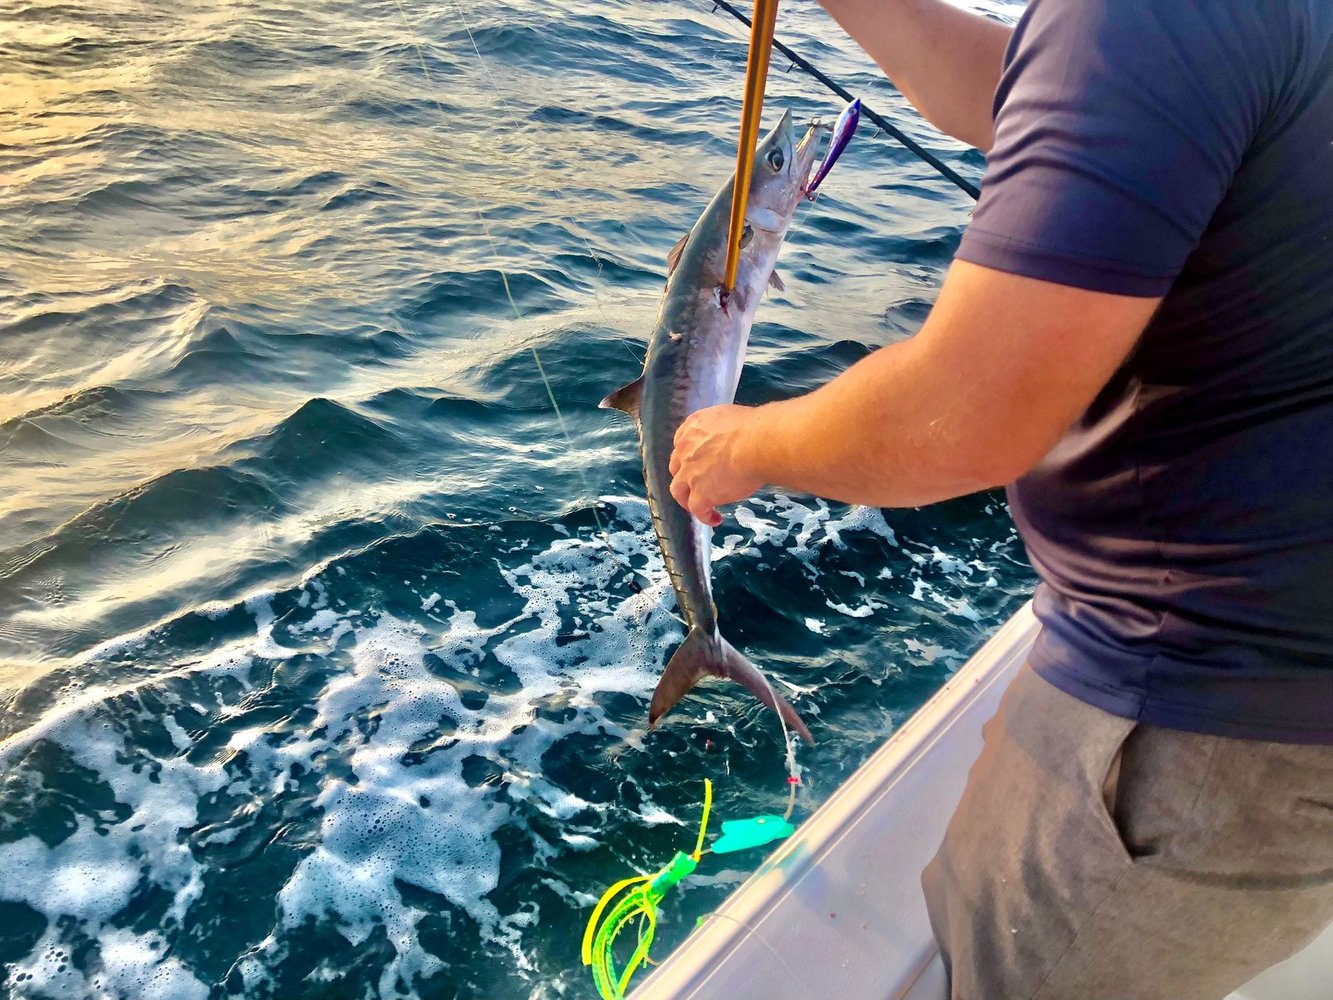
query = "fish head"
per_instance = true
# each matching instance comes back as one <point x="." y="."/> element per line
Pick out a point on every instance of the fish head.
<point x="782" y="165"/>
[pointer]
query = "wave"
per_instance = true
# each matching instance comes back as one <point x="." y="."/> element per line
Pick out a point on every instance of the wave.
<point x="320" y="438"/>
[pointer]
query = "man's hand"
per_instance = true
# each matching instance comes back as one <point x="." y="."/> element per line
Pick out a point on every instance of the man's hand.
<point x="707" y="465"/>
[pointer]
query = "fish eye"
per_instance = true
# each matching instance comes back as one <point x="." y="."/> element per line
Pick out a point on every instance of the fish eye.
<point x="775" y="159"/>
<point x="747" y="234"/>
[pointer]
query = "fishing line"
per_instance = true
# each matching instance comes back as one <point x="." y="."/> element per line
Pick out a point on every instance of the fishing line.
<point x="753" y="932"/>
<point x="514" y="121"/>
<point x="789" y="748"/>
<point x="504" y="277"/>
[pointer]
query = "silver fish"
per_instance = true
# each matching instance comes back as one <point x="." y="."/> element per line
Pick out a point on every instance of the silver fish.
<point x="694" y="361"/>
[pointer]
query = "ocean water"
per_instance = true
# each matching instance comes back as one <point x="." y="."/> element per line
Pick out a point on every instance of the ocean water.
<point x="320" y="678"/>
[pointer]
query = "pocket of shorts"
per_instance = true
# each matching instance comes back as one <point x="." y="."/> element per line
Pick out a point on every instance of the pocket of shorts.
<point x="1312" y="808"/>
<point x="1106" y="791"/>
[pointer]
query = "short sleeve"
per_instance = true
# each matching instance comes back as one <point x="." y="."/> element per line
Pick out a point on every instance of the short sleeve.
<point x="1119" y="127"/>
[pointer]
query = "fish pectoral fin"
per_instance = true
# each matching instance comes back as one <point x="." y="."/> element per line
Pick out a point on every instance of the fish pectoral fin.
<point x="673" y="256"/>
<point x="702" y="654"/>
<point x="775" y="283"/>
<point x="628" y="398"/>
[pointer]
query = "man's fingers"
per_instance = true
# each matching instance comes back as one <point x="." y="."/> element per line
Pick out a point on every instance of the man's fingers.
<point x="706" y="513"/>
<point x="681" y="491"/>
<point x="703" y="510"/>
<point x="677" y="444"/>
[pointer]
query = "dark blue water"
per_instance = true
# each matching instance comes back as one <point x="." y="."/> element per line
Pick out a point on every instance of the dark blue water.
<point x="319" y="678"/>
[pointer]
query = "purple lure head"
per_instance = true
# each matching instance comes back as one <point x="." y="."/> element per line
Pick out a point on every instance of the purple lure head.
<point x="843" y="130"/>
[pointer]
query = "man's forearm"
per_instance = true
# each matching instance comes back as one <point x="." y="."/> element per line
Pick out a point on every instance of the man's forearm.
<point x="875" y="435"/>
<point x="1002" y="367"/>
<point x="946" y="61"/>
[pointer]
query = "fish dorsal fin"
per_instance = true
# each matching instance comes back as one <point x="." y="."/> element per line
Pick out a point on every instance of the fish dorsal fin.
<point x="673" y="257"/>
<point x="775" y="283"/>
<point x="628" y="398"/>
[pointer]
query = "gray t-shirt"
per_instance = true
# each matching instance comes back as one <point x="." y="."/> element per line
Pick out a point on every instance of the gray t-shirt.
<point x="1183" y="528"/>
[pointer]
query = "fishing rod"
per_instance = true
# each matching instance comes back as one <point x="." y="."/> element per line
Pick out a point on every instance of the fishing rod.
<point x="946" y="171"/>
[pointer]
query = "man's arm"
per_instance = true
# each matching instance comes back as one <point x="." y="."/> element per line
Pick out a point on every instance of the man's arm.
<point x="1002" y="367"/>
<point x="946" y="61"/>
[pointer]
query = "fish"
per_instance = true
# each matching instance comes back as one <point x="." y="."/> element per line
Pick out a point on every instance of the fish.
<point x="694" y="361"/>
<point x="843" y="130"/>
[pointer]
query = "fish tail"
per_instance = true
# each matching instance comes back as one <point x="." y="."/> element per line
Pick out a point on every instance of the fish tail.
<point x="702" y="654"/>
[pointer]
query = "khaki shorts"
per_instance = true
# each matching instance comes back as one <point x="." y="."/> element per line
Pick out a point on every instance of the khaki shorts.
<point x="1097" y="858"/>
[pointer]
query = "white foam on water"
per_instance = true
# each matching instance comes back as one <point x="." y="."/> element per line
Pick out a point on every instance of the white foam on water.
<point x="802" y="527"/>
<point x="863" y="610"/>
<point x="651" y="814"/>
<point x="324" y="620"/>
<point x="579" y="900"/>
<point x="398" y="808"/>
<point x="261" y="606"/>
<point x="948" y="563"/>
<point x="92" y="874"/>
<point x="959" y="606"/>
<point x="231" y="660"/>
<point x="465" y="642"/>
<point x="84" y="876"/>
<point x="46" y="971"/>
<point x="377" y="830"/>
<point x="177" y="733"/>
<point x="134" y="965"/>
<point x="765" y="532"/>
<point x="729" y="545"/>
<point x="869" y="519"/>
<point x="930" y="652"/>
<point x="421" y="823"/>
<point x="127" y="643"/>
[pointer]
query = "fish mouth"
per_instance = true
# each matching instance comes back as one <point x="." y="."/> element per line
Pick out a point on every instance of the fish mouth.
<point x="806" y="151"/>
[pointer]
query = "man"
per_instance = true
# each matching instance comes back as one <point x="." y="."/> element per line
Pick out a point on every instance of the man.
<point x="1137" y="334"/>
